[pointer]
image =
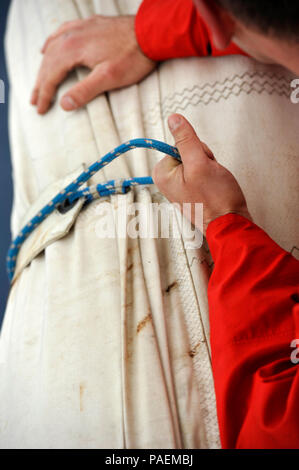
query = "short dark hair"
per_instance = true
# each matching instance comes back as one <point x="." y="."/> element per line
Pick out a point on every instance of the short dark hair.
<point x="274" y="17"/>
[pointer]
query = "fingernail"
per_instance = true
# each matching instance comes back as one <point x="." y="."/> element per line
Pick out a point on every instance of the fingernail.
<point x="174" y="122"/>
<point x="68" y="103"/>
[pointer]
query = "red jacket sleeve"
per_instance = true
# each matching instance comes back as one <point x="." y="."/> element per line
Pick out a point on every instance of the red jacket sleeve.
<point x="254" y="316"/>
<point x="168" y="29"/>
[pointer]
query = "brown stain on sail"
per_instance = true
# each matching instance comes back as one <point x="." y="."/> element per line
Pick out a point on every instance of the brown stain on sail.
<point x="81" y="393"/>
<point x="194" y="350"/>
<point x="143" y="322"/>
<point x="128" y="349"/>
<point x="130" y="267"/>
<point x="171" y="286"/>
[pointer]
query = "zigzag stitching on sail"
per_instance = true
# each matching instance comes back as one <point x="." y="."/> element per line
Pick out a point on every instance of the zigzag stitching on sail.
<point x="207" y="93"/>
<point x="276" y="78"/>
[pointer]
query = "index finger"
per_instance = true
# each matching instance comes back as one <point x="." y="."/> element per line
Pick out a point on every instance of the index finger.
<point x="62" y="29"/>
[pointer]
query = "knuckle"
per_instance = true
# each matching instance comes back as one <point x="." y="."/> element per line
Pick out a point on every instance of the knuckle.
<point x="81" y="94"/>
<point x="46" y="93"/>
<point x="110" y="70"/>
<point x="69" y="40"/>
<point x="183" y="138"/>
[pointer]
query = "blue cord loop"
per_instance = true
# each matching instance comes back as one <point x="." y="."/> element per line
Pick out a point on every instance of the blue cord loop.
<point x="67" y="197"/>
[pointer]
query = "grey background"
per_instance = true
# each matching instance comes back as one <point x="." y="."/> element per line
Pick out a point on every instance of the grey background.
<point x="5" y="170"/>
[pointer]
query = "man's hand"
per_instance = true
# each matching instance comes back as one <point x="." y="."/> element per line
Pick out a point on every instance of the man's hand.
<point x="106" y="45"/>
<point x="199" y="178"/>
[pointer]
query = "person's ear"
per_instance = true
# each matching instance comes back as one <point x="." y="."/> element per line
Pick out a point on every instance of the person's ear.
<point x="219" y="22"/>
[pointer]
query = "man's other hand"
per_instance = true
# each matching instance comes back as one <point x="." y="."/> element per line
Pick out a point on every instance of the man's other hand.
<point x="106" y="45"/>
<point x="199" y="178"/>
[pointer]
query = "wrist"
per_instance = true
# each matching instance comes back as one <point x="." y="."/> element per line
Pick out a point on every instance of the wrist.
<point x="244" y="213"/>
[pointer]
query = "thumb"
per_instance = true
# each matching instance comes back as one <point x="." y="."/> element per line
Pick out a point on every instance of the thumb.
<point x="85" y="91"/>
<point x="191" y="149"/>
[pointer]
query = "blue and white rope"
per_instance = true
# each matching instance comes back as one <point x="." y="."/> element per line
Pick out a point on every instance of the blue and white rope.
<point x="71" y="193"/>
